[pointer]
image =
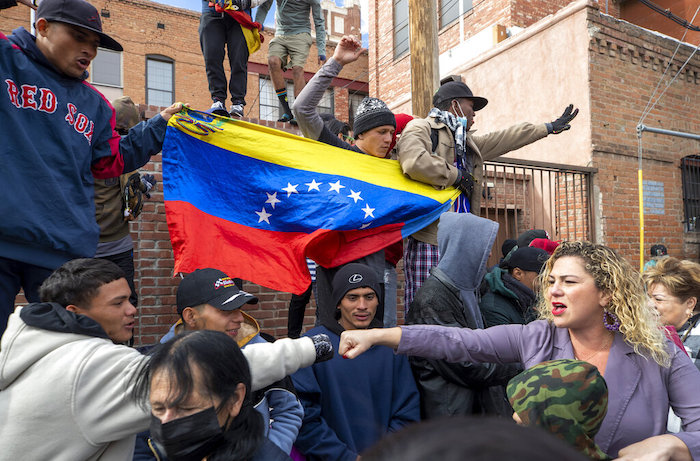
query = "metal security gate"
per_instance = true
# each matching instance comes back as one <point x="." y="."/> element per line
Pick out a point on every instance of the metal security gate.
<point x="522" y="195"/>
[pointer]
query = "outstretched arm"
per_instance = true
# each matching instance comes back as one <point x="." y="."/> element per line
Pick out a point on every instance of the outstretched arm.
<point x="355" y="342"/>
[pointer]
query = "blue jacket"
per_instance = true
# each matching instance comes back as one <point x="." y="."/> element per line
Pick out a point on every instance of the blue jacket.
<point x="57" y="133"/>
<point x="350" y="404"/>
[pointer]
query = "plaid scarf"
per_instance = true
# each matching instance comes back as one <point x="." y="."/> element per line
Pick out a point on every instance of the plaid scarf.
<point x="463" y="160"/>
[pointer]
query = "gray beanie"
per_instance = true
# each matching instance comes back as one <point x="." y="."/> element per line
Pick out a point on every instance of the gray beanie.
<point x="371" y="113"/>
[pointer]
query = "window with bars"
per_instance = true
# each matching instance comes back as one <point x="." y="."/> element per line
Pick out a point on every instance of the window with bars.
<point x="401" y="39"/>
<point x="271" y="107"/>
<point x="449" y="11"/>
<point x="269" y="104"/>
<point x="106" y="68"/>
<point x="160" y="80"/>
<point x="690" y="174"/>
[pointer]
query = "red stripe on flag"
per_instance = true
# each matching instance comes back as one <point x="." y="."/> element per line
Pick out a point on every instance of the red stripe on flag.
<point x="272" y="259"/>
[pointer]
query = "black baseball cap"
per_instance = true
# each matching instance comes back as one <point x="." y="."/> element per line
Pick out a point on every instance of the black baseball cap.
<point x="455" y="90"/>
<point x="78" y="13"/>
<point x="213" y="287"/>
<point x="528" y="259"/>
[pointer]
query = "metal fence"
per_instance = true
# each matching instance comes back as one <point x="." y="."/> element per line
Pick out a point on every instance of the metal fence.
<point x="523" y="195"/>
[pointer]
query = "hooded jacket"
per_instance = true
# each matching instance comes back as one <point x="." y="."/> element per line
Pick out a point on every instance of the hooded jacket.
<point x="350" y="404"/>
<point x="449" y="298"/>
<point x="65" y="388"/>
<point x="58" y="132"/>
<point x="505" y="300"/>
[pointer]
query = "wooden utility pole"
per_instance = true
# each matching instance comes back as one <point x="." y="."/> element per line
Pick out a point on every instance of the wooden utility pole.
<point x="425" y="73"/>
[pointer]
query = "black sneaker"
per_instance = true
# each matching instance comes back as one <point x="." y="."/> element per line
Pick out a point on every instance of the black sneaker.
<point x="287" y="118"/>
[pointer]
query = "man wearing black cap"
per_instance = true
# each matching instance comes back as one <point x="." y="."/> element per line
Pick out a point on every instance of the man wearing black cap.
<point x="508" y="296"/>
<point x="348" y="406"/>
<point x="208" y="299"/>
<point x="441" y="151"/>
<point x="66" y="379"/>
<point x="58" y="132"/>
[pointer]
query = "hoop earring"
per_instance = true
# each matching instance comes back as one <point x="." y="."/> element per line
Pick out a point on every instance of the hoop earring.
<point x="611" y="321"/>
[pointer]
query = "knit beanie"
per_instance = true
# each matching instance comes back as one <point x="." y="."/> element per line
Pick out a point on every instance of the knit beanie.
<point x="352" y="276"/>
<point x="371" y="113"/>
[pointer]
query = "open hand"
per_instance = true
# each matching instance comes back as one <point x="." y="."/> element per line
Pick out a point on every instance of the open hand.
<point x="348" y="50"/>
<point x="174" y="109"/>
<point x="562" y="123"/>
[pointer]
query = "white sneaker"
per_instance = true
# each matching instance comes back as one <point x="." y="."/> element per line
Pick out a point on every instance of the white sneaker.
<point x="236" y="110"/>
<point x="218" y="108"/>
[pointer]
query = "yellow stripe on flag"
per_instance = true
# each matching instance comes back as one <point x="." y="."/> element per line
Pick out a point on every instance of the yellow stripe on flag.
<point x="282" y="148"/>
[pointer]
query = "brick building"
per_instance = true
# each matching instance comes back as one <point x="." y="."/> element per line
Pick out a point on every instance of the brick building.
<point x="531" y="59"/>
<point x="162" y="63"/>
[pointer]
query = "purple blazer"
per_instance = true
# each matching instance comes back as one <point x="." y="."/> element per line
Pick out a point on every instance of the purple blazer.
<point x="640" y="391"/>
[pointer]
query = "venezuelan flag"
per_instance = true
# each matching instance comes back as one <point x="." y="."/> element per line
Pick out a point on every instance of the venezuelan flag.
<point x="254" y="202"/>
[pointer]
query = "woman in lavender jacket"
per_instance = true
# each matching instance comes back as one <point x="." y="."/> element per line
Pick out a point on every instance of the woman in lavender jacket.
<point x="593" y="309"/>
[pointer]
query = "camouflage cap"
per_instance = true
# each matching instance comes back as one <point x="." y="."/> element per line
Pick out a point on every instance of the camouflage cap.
<point x="126" y="113"/>
<point x="568" y="398"/>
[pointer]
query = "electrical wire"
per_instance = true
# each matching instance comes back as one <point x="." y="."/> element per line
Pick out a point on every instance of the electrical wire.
<point x="649" y="107"/>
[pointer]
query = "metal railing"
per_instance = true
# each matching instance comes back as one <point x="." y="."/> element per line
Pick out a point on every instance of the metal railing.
<point x="523" y="195"/>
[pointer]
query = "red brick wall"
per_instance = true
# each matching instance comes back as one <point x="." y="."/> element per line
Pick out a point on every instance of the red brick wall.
<point x="625" y="66"/>
<point x="642" y="15"/>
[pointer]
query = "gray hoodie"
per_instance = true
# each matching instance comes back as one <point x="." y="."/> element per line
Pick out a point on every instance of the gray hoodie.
<point x="464" y="243"/>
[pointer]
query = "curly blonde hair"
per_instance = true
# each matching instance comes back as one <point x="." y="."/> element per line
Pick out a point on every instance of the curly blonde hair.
<point x="639" y="323"/>
<point x="680" y="277"/>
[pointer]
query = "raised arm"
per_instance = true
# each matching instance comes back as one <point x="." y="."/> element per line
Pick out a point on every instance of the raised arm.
<point x="348" y="50"/>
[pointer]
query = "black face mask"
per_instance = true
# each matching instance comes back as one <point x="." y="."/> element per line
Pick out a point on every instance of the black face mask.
<point x="190" y="438"/>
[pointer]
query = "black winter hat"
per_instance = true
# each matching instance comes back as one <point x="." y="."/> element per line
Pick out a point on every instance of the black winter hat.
<point x="78" y="13"/>
<point x="352" y="276"/>
<point x="528" y="236"/>
<point x="371" y="113"/>
<point x="528" y="259"/>
<point x="455" y="90"/>
<point x="658" y="250"/>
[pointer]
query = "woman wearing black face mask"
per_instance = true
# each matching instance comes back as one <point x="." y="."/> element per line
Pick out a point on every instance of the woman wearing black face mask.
<point x="198" y="385"/>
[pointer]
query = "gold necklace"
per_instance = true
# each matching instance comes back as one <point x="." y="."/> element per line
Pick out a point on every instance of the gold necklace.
<point x="603" y="346"/>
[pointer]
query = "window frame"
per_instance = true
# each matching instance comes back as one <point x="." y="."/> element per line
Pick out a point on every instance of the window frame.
<point x="690" y="181"/>
<point x="104" y="51"/>
<point x="399" y="51"/>
<point x="163" y="59"/>
<point x="457" y="15"/>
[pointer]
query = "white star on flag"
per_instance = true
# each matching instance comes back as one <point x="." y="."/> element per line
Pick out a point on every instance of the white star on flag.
<point x="313" y="185"/>
<point x="335" y="186"/>
<point x="355" y="195"/>
<point x="272" y="199"/>
<point x="368" y="211"/>
<point x="291" y="189"/>
<point x="263" y="215"/>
